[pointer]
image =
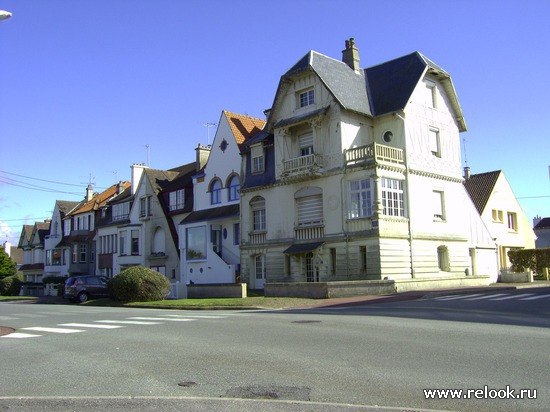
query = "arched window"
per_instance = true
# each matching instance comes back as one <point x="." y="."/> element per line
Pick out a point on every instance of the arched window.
<point x="158" y="241"/>
<point x="215" y="192"/>
<point x="233" y="187"/>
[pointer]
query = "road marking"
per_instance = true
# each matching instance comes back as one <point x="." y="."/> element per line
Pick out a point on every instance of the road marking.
<point x="485" y="296"/>
<point x="536" y="297"/>
<point x="515" y="296"/>
<point x="90" y="325"/>
<point x="7" y="318"/>
<point x="17" y="335"/>
<point x="29" y="315"/>
<point x="129" y="322"/>
<point x="52" y="330"/>
<point x="163" y="319"/>
<point x="453" y="297"/>
<point x="197" y="316"/>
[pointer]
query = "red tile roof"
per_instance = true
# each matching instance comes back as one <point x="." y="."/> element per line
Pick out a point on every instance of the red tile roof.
<point x="99" y="199"/>
<point x="243" y="127"/>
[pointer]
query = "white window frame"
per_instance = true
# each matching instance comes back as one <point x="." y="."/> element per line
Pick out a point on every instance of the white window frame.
<point x="434" y="141"/>
<point x="431" y="94"/>
<point x="360" y="198"/>
<point x="439" y="205"/>
<point x="259" y="215"/>
<point x="512" y="218"/>
<point x="393" y="197"/>
<point x="306" y="98"/>
<point x="177" y="199"/>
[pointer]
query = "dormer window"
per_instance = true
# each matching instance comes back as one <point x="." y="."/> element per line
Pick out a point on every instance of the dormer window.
<point x="307" y="98"/>
<point x="258" y="159"/>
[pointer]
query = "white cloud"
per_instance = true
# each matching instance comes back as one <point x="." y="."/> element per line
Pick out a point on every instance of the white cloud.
<point x="6" y="232"/>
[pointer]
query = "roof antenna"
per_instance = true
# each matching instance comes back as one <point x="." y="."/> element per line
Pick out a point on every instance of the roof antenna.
<point x="208" y="126"/>
<point x="465" y="152"/>
<point x="148" y="155"/>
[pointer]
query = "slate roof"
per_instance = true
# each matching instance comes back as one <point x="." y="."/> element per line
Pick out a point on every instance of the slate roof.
<point x="480" y="186"/>
<point x="543" y="224"/>
<point x="183" y="179"/>
<point x="377" y="90"/>
<point x="65" y="206"/>
<point x="43" y="229"/>
<point x="159" y="179"/>
<point x="211" y="214"/>
<point x="243" y="127"/>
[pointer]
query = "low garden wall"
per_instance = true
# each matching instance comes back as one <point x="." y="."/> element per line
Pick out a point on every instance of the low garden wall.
<point x="217" y="290"/>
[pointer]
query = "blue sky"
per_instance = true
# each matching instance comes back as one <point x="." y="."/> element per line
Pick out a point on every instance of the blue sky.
<point x="86" y="85"/>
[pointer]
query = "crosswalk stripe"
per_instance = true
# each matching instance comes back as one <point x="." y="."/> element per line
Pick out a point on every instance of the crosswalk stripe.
<point x="90" y="325"/>
<point x="52" y="330"/>
<point x="536" y="297"/>
<point x="485" y="296"/>
<point x="515" y="296"/>
<point x="453" y="297"/>
<point x="18" y="335"/>
<point x="130" y="322"/>
<point x="163" y="319"/>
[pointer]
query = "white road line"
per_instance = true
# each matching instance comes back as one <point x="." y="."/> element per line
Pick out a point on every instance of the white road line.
<point x="7" y="318"/>
<point x="535" y="297"/>
<point x="90" y="325"/>
<point x="53" y="330"/>
<point x="29" y="315"/>
<point x="453" y="297"/>
<point x="162" y="319"/>
<point x="485" y="296"/>
<point x="197" y="316"/>
<point x="515" y="296"/>
<point x="17" y="335"/>
<point x="129" y="322"/>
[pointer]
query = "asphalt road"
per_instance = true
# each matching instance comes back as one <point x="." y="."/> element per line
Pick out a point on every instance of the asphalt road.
<point x="340" y="358"/>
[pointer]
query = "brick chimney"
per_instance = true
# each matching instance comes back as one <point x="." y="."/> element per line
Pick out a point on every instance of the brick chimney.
<point x="89" y="193"/>
<point x="350" y="55"/>
<point x="203" y="153"/>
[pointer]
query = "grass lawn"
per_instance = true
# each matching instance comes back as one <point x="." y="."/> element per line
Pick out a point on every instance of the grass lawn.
<point x="16" y="298"/>
<point x="255" y="301"/>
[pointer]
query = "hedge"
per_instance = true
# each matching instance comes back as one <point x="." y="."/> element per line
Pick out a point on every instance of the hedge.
<point x="533" y="259"/>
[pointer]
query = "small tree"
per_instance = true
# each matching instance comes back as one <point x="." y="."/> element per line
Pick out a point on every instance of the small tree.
<point x="7" y="266"/>
<point x="10" y="285"/>
<point x="139" y="284"/>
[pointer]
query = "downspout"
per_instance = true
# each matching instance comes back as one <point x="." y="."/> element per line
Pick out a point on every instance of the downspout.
<point x="344" y="210"/>
<point x="407" y="197"/>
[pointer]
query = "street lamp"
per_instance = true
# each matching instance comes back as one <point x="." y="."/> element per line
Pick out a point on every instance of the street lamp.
<point x="4" y="14"/>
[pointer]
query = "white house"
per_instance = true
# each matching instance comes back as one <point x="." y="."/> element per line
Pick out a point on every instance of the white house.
<point x="210" y="235"/>
<point x="501" y="213"/>
<point x="357" y="175"/>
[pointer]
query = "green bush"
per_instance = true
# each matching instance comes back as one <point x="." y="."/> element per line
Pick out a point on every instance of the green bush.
<point x="11" y="285"/>
<point x="530" y="259"/>
<point x="139" y="284"/>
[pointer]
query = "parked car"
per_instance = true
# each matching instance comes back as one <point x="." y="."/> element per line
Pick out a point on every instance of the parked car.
<point x="82" y="288"/>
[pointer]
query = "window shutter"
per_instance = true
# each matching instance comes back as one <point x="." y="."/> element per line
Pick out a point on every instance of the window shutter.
<point x="310" y="210"/>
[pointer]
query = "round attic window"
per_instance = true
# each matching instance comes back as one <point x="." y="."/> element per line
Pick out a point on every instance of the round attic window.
<point x="388" y="136"/>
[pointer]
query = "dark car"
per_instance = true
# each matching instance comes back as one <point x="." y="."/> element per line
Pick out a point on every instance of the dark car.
<point x="82" y="288"/>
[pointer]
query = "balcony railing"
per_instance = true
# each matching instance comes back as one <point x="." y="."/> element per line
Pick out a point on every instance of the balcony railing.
<point x="309" y="232"/>
<point x="373" y="153"/>
<point x="308" y="165"/>
<point x="256" y="238"/>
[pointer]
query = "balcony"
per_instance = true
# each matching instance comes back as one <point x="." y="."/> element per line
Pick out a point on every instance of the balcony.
<point x="309" y="232"/>
<point x="373" y="154"/>
<point x="256" y="238"/>
<point x="302" y="167"/>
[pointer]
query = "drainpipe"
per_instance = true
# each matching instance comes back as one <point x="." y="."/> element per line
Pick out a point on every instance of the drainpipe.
<point x="344" y="210"/>
<point x="407" y="196"/>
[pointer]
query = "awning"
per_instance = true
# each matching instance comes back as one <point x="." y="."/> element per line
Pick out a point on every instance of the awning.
<point x="303" y="247"/>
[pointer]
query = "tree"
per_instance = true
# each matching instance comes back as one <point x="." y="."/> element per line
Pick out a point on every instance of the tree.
<point x="7" y="266"/>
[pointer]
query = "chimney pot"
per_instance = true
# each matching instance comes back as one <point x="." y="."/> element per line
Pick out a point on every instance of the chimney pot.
<point x="350" y="55"/>
<point x="466" y="172"/>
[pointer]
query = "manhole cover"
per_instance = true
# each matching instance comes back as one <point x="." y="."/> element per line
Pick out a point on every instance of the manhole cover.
<point x="187" y="384"/>
<point x="306" y="321"/>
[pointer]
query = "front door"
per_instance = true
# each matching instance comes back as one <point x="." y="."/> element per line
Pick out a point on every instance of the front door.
<point x="312" y="272"/>
<point x="259" y="271"/>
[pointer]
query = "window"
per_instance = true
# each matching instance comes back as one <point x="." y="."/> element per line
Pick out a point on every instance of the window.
<point x="82" y="253"/>
<point x="236" y="233"/>
<point x="135" y="242"/>
<point x="177" y="200"/>
<point x="435" y="144"/>
<point x="332" y="261"/>
<point x="312" y="272"/>
<point x="258" y="159"/>
<point x="363" y="259"/>
<point x="360" y="199"/>
<point x="75" y="253"/>
<point x="392" y="197"/>
<point x="309" y="205"/>
<point x="443" y="258"/>
<point x="306" y="144"/>
<point x="195" y="241"/>
<point x="215" y="192"/>
<point x="438" y="205"/>
<point x="259" y="267"/>
<point x="512" y="222"/>
<point x="498" y="216"/>
<point x="431" y="94"/>
<point x="307" y="98"/>
<point x="121" y="211"/>
<point x="123" y="242"/>
<point x="257" y="205"/>
<point x="233" y="188"/>
<point x="145" y="209"/>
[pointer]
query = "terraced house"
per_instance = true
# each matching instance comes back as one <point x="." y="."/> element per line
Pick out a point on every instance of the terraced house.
<point x="357" y="176"/>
